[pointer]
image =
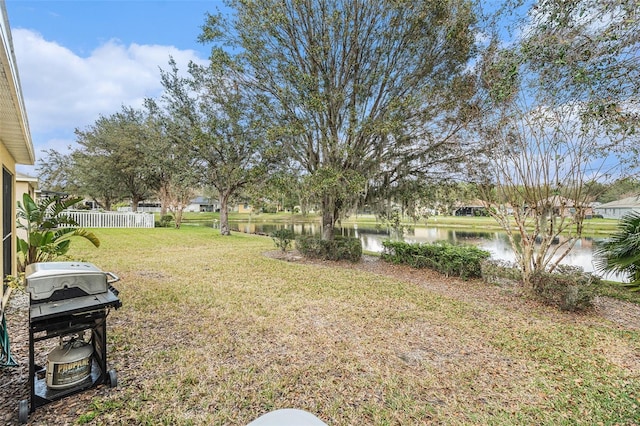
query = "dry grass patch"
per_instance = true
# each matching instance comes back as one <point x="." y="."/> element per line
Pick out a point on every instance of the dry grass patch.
<point x="213" y="332"/>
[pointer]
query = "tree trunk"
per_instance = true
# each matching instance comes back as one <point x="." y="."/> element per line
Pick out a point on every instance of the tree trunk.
<point x="178" y="217"/>
<point x="164" y="199"/>
<point x="328" y="218"/>
<point x="134" y="204"/>
<point x="224" y="215"/>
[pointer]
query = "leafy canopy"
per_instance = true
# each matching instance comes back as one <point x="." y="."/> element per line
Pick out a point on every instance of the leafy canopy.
<point x="358" y="91"/>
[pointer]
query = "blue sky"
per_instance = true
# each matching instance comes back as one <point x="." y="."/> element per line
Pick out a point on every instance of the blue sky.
<point x="83" y="58"/>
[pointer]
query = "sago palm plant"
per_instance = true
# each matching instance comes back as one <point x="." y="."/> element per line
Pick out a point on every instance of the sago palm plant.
<point x="48" y="229"/>
<point x="621" y="253"/>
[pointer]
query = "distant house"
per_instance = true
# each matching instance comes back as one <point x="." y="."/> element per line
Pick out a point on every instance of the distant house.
<point x="617" y="209"/>
<point x="25" y="184"/>
<point x="470" y="208"/>
<point x="244" y="208"/>
<point x="203" y="204"/>
<point x="561" y="206"/>
<point x="143" y="207"/>
<point x="565" y="207"/>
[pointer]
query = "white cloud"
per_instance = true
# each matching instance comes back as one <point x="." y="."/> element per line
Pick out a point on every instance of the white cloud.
<point x="64" y="91"/>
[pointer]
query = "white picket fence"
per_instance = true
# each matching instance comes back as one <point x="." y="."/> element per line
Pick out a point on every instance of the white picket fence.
<point x="112" y="219"/>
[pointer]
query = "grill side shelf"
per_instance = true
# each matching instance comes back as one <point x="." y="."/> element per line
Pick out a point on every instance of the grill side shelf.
<point x="43" y="311"/>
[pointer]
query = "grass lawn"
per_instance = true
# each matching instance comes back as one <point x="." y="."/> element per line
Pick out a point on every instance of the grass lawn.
<point x="212" y="332"/>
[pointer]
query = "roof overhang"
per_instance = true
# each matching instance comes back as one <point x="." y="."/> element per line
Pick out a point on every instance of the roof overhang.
<point x="32" y="181"/>
<point x="14" y="126"/>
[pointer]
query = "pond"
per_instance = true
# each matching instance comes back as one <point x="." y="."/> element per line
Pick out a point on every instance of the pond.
<point x="495" y="242"/>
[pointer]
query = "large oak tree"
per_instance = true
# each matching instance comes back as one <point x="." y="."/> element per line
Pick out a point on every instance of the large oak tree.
<point x="112" y="159"/>
<point x="364" y="94"/>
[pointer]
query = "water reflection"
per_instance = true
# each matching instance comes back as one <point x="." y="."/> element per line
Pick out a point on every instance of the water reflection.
<point x="495" y="242"/>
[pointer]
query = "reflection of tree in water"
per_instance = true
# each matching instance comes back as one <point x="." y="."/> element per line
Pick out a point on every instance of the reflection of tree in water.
<point x="469" y="236"/>
<point x="268" y="228"/>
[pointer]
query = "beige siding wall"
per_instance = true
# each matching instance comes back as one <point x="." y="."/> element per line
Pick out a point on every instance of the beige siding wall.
<point x="9" y="164"/>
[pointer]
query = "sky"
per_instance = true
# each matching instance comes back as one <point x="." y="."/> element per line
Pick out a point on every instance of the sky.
<point x="79" y="59"/>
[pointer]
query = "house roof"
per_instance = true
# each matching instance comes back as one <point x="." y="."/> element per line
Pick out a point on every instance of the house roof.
<point x="24" y="177"/>
<point x="15" y="134"/>
<point x="470" y="203"/>
<point x="558" y="201"/>
<point x="21" y="177"/>
<point x="628" y="202"/>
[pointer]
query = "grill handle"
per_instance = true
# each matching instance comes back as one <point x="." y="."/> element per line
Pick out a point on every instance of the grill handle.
<point x="114" y="278"/>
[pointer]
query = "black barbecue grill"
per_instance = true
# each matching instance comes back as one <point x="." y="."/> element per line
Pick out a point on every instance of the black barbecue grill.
<point x="69" y="301"/>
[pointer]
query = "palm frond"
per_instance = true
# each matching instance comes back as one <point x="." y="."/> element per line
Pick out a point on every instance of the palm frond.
<point x="65" y="234"/>
<point x="621" y="252"/>
<point x="49" y="229"/>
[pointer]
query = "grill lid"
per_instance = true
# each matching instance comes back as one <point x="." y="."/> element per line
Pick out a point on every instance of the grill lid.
<point x="45" y="278"/>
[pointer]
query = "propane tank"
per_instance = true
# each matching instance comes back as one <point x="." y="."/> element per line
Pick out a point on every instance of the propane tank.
<point x="69" y="364"/>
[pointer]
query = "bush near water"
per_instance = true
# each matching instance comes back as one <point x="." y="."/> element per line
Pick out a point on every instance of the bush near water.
<point x="283" y="238"/>
<point x="462" y="261"/>
<point x="339" y="248"/>
<point x="568" y="288"/>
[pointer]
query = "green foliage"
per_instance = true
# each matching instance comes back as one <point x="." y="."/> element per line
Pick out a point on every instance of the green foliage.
<point x="392" y="217"/>
<point x="500" y="74"/>
<point x="164" y="222"/>
<point x="339" y="248"/>
<point x="452" y="260"/>
<point x="15" y="282"/>
<point x="621" y="252"/>
<point x="579" y="55"/>
<point x="283" y="238"/>
<point x="114" y="160"/>
<point x="621" y="188"/>
<point x="49" y="230"/>
<point x="568" y="287"/>
<point x="616" y="291"/>
<point x="500" y="272"/>
<point x="373" y="95"/>
<point x="222" y="124"/>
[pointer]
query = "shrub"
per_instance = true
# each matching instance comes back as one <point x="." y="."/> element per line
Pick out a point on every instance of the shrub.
<point x="500" y="272"/>
<point x="452" y="260"/>
<point x="164" y="221"/>
<point x="283" y="238"/>
<point x="340" y="248"/>
<point x="568" y="287"/>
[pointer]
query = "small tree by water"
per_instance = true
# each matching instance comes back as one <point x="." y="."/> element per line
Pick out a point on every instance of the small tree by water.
<point x="283" y="238"/>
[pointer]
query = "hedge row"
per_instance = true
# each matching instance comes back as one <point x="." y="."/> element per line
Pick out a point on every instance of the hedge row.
<point x="452" y="260"/>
